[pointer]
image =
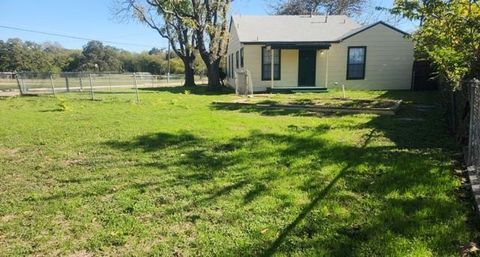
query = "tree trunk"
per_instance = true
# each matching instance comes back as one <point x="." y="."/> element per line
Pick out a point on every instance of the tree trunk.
<point x="189" y="72"/>
<point x="213" y="73"/>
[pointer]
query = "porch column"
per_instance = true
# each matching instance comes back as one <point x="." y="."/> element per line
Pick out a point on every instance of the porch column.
<point x="326" y="68"/>
<point x="272" y="81"/>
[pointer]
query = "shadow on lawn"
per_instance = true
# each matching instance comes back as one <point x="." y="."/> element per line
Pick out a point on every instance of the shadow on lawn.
<point x="267" y="110"/>
<point x="369" y="172"/>
<point x="389" y="191"/>
<point x="196" y="90"/>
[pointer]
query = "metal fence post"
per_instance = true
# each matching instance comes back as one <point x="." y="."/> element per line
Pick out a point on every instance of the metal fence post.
<point x="81" y="82"/>
<point x="136" y="86"/>
<point x="91" y="87"/>
<point x="109" y="82"/>
<point x="22" y="82"/>
<point x="67" y="83"/>
<point x="53" y="85"/>
<point x="19" y="84"/>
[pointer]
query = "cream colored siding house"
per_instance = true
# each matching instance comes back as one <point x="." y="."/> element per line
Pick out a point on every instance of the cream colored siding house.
<point x="318" y="52"/>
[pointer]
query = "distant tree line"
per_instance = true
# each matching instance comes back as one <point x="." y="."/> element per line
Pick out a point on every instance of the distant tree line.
<point x="18" y="55"/>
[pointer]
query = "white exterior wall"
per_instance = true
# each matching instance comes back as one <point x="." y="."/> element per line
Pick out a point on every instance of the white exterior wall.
<point x="288" y="67"/>
<point x="234" y="45"/>
<point x="389" y="61"/>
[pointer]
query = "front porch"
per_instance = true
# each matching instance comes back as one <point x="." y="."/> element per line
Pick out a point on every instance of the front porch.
<point x="306" y="64"/>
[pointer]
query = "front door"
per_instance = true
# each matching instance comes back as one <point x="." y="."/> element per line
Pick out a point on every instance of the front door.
<point x="306" y="67"/>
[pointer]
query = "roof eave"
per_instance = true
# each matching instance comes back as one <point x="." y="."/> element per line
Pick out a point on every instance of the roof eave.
<point x="287" y="42"/>
<point x="373" y="25"/>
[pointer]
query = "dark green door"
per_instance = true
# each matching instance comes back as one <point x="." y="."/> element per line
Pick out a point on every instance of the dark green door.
<point x="306" y="67"/>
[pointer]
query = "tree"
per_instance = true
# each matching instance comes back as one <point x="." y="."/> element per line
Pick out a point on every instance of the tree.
<point x="449" y="35"/>
<point x="97" y="56"/>
<point x="163" y="16"/>
<point x="25" y="56"/>
<point x="211" y="27"/>
<point x="3" y="56"/>
<point x="315" y="7"/>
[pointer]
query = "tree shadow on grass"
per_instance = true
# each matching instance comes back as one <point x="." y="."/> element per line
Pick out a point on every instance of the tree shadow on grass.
<point x="266" y="110"/>
<point x="391" y="191"/>
<point x="315" y="201"/>
<point x="196" y="90"/>
<point x="390" y="169"/>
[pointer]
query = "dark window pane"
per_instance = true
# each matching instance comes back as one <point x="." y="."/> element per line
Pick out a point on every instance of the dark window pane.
<point x="356" y="56"/>
<point x="356" y="70"/>
<point x="277" y="71"/>
<point x="241" y="57"/>
<point x="356" y="63"/>
<point x="232" y="74"/>
<point x="237" y="61"/>
<point x="228" y="66"/>
<point x="266" y="72"/>
<point x="277" y="56"/>
<point x="266" y="64"/>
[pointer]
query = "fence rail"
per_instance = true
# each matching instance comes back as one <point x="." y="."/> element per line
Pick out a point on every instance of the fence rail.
<point x="28" y="83"/>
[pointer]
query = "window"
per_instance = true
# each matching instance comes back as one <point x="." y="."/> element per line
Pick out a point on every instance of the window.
<point x="228" y="66"/>
<point x="237" y="59"/>
<point x="356" y="62"/>
<point x="241" y="57"/>
<point x="232" y="71"/>
<point x="267" y="64"/>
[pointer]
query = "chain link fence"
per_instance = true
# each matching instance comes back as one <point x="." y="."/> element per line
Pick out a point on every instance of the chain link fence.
<point x="36" y="83"/>
<point x="463" y="117"/>
<point x="473" y="156"/>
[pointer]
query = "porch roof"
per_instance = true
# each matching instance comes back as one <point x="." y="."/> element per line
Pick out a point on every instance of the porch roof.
<point x="299" y="45"/>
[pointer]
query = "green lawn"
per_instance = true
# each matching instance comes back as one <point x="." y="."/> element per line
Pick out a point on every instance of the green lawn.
<point x="176" y="176"/>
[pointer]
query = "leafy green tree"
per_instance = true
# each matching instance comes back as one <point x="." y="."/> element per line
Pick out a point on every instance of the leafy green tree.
<point x="189" y="25"/>
<point x="25" y="56"/>
<point x="158" y="15"/>
<point x="210" y="22"/>
<point x="3" y="56"/>
<point x="449" y="35"/>
<point x="97" y="57"/>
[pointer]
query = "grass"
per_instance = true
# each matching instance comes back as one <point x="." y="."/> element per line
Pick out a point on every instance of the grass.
<point x="175" y="176"/>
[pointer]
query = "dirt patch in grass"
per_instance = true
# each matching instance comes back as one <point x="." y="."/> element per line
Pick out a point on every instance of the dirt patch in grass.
<point x="313" y="105"/>
<point x="81" y="254"/>
<point x="326" y="102"/>
<point x="9" y="152"/>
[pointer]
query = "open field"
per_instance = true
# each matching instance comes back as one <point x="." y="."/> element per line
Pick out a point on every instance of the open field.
<point x="176" y="176"/>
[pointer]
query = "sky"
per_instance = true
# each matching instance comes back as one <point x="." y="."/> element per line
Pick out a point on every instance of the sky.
<point x="94" y="19"/>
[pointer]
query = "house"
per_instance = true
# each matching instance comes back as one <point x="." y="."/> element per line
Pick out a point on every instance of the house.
<point x="317" y="52"/>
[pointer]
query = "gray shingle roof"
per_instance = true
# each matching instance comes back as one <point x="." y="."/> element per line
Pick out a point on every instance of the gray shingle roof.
<point x="289" y="28"/>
